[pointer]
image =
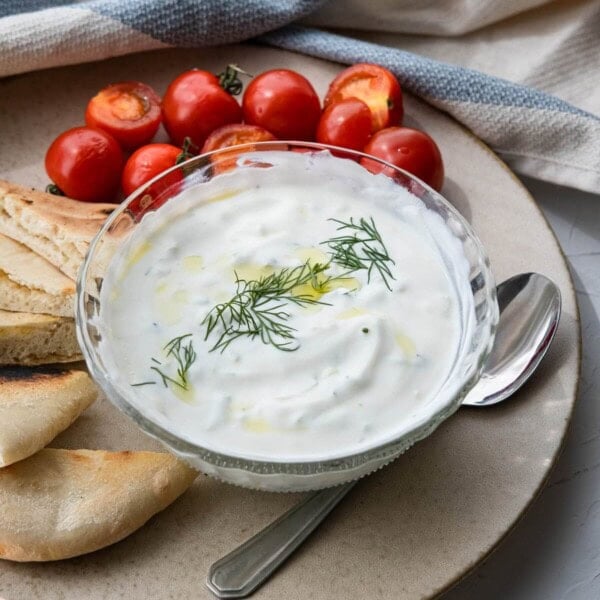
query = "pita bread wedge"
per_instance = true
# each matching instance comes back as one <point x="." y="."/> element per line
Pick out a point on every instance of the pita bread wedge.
<point x="34" y="339"/>
<point x="62" y="503"/>
<point x="36" y="404"/>
<point x="29" y="283"/>
<point x="57" y="228"/>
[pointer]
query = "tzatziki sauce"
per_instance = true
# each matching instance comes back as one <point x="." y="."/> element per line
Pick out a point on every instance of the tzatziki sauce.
<point x="304" y="311"/>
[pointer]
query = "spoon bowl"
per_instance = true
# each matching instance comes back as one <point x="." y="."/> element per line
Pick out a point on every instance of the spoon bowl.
<point x="530" y="306"/>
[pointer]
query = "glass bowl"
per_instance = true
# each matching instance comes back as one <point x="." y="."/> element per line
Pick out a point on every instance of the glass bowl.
<point x="477" y="306"/>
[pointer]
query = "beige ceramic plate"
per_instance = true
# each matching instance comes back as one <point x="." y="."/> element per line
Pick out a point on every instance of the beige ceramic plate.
<point x="408" y="531"/>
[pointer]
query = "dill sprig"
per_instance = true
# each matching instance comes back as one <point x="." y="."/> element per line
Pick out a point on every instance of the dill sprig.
<point x="257" y="309"/>
<point x="184" y="355"/>
<point x="361" y="248"/>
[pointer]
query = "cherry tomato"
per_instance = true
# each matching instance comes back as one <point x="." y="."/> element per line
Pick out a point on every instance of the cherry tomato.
<point x="238" y="133"/>
<point x="231" y="135"/>
<point x="283" y="102"/>
<point x="129" y="111"/>
<point x="194" y="106"/>
<point x="377" y="87"/>
<point x="346" y="123"/>
<point x="411" y="150"/>
<point x="147" y="162"/>
<point x="85" y="164"/>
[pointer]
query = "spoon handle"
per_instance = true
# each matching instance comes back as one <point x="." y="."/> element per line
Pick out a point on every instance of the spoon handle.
<point x="240" y="572"/>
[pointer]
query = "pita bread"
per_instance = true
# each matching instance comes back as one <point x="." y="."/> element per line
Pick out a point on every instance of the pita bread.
<point x="25" y="267"/>
<point x="36" y="404"/>
<point x="30" y="283"/>
<point x="34" y="339"/>
<point x="19" y="298"/>
<point x="62" y="503"/>
<point x="57" y="228"/>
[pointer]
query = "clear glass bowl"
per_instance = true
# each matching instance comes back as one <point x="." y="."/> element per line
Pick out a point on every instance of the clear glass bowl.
<point x="479" y="312"/>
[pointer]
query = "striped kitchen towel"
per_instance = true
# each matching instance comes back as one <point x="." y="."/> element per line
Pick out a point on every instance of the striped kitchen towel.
<point x="536" y="133"/>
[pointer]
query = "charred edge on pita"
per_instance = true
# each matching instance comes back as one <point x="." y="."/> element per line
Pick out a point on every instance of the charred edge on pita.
<point x="24" y="373"/>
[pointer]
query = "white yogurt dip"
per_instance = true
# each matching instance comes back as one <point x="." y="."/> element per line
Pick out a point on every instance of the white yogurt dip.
<point x="364" y="354"/>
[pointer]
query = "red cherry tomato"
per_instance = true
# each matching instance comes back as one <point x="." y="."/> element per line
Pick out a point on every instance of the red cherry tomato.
<point x="129" y="111"/>
<point x="231" y="135"/>
<point x="346" y="123"/>
<point x="238" y="133"/>
<point x="411" y="150"/>
<point x="147" y="162"/>
<point x="85" y="164"/>
<point x="194" y="106"/>
<point x="283" y="102"/>
<point x="377" y="87"/>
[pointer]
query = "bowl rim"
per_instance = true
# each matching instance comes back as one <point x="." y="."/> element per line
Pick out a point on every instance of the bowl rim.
<point x="190" y="450"/>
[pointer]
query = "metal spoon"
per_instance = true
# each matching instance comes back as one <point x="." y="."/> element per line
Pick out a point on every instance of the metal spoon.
<point x="529" y="313"/>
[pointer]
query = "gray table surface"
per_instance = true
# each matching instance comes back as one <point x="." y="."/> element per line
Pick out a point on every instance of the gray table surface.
<point x="554" y="552"/>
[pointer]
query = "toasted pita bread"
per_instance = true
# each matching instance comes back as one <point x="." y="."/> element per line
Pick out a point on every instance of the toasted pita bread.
<point x="33" y="339"/>
<point x="36" y="404"/>
<point x="57" y="228"/>
<point x="19" y="298"/>
<point x="30" y="283"/>
<point x="62" y="503"/>
<point x="25" y="267"/>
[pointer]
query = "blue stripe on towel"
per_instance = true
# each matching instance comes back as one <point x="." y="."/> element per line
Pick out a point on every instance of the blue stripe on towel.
<point x="16" y="7"/>
<point x="422" y="76"/>
<point x="203" y="22"/>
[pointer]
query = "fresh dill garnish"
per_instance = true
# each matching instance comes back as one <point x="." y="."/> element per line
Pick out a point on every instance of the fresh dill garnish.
<point x="257" y="309"/>
<point x="360" y="248"/>
<point x="184" y="355"/>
